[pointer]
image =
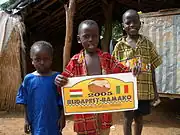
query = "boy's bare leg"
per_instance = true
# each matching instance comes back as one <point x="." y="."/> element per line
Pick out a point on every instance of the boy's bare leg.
<point x="105" y="131"/>
<point x="138" y="125"/>
<point x="102" y="131"/>
<point x="128" y="119"/>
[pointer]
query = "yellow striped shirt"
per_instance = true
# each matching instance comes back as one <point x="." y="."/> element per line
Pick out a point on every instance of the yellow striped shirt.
<point x="146" y="56"/>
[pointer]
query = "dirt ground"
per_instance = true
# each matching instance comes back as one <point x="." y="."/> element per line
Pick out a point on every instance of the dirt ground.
<point x="164" y="120"/>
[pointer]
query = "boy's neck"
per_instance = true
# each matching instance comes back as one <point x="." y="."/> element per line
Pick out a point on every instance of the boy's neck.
<point x="132" y="40"/>
<point x="90" y="53"/>
<point x="134" y="37"/>
<point x="43" y="74"/>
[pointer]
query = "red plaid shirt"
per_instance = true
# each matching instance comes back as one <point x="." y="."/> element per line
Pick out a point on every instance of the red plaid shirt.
<point x="88" y="123"/>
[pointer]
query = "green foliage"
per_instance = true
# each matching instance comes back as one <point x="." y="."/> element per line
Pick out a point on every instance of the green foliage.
<point x="5" y="5"/>
<point x="116" y="30"/>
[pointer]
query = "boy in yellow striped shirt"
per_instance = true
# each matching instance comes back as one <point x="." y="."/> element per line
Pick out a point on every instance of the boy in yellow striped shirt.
<point x="136" y="50"/>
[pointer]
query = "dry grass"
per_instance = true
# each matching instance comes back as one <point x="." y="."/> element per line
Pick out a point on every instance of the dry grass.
<point x="10" y="72"/>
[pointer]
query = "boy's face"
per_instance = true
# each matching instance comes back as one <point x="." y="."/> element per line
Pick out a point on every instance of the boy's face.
<point x="131" y="23"/>
<point x="89" y="37"/>
<point x="42" y="60"/>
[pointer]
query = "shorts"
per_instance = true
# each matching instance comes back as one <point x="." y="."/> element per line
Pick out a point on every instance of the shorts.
<point x="144" y="108"/>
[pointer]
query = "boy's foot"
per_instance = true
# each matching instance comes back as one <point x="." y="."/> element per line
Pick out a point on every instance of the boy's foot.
<point x="155" y="103"/>
<point x="112" y="127"/>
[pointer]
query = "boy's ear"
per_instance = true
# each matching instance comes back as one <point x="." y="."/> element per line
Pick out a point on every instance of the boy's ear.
<point x="122" y="26"/>
<point x="32" y="62"/>
<point x="141" y="23"/>
<point x="78" y="39"/>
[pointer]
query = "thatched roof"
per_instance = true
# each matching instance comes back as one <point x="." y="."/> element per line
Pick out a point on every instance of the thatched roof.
<point x="48" y="16"/>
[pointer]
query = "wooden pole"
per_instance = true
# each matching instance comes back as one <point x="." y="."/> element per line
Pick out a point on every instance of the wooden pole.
<point x="70" y="10"/>
<point x="107" y="8"/>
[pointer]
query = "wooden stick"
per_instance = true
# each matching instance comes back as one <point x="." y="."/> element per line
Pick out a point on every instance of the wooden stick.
<point x="107" y="8"/>
<point x="69" y="31"/>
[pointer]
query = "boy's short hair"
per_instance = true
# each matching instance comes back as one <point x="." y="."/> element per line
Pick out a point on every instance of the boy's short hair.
<point x="88" y="22"/>
<point x="41" y="45"/>
<point x="130" y="10"/>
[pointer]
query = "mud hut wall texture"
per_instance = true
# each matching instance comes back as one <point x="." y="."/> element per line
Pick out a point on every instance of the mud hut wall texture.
<point x="163" y="29"/>
<point x="11" y="68"/>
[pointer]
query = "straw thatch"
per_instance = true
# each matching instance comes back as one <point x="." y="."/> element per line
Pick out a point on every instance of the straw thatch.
<point x="10" y="71"/>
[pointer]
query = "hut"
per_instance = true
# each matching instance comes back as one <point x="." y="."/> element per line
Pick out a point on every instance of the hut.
<point x="55" y="21"/>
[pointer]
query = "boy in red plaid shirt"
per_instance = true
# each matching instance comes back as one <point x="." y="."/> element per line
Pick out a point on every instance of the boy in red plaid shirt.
<point x="91" y="61"/>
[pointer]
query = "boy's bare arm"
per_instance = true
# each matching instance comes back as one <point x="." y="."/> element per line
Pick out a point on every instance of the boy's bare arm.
<point x="156" y="100"/>
<point x="62" y="120"/>
<point x="154" y="84"/>
<point x="27" y="128"/>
